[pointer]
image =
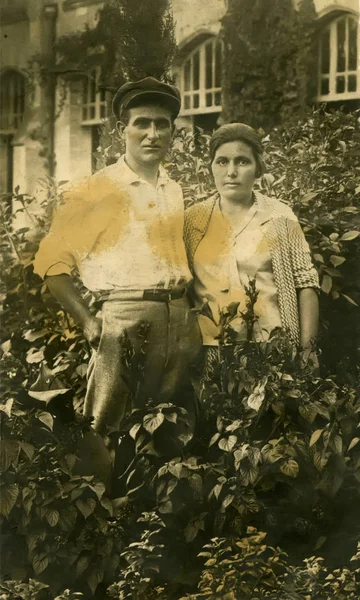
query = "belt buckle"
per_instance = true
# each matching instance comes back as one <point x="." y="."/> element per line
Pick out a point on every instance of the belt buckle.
<point x="166" y="294"/>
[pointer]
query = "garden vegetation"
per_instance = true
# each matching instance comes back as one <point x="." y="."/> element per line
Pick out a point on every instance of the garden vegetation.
<point x="262" y="502"/>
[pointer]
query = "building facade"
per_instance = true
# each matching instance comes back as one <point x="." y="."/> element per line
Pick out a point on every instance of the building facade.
<point x="67" y="113"/>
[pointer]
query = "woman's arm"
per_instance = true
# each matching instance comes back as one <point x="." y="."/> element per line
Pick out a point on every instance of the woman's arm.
<point x="309" y="322"/>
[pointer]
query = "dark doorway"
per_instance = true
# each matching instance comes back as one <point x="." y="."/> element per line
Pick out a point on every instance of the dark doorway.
<point x="6" y="166"/>
<point x="207" y="122"/>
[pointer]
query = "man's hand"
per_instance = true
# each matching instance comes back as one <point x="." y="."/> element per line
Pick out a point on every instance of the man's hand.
<point x="92" y="327"/>
<point x="62" y="287"/>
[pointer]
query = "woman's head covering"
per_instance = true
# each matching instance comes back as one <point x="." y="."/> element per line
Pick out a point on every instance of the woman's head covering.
<point x="239" y="132"/>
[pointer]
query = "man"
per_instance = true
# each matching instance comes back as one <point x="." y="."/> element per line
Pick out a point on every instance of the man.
<point x="122" y="230"/>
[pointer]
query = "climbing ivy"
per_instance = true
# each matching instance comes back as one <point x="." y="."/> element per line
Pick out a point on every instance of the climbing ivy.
<point x="130" y="40"/>
<point x="269" y="60"/>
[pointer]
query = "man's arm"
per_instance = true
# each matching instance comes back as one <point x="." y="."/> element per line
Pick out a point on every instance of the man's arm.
<point x="63" y="289"/>
<point x="309" y="322"/>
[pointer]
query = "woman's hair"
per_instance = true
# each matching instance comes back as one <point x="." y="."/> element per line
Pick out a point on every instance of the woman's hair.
<point x="239" y="132"/>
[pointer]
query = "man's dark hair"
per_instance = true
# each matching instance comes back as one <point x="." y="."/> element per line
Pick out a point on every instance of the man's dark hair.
<point x="141" y="101"/>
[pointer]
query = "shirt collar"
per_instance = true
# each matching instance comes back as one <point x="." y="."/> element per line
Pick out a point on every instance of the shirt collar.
<point x="128" y="176"/>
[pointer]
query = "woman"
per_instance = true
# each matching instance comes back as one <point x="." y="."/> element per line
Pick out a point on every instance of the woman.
<point x="239" y="234"/>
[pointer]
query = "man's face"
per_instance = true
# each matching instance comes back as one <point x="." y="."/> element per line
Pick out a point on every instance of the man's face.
<point x="148" y="134"/>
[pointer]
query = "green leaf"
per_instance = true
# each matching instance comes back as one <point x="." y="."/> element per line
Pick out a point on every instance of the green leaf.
<point x="47" y="419"/>
<point x="9" y="452"/>
<point x="249" y="473"/>
<point x="108" y="505"/>
<point x="211" y="562"/>
<point x="28" y="449"/>
<point x="337" y="260"/>
<point x="196" y="482"/>
<point x="326" y="284"/>
<point x="308" y="412"/>
<point x="190" y="532"/>
<point x="9" y="495"/>
<point x="172" y="417"/>
<point x="350" y="300"/>
<point x="35" y="356"/>
<point x="349" y="235"/>
<point x="320" y="460"/>
<point x="86" y="507"/>
<point x="175" y="469"/>
<point x="227" y="444"/>
<point x="34" y="334"/>
<point x="353" y="443"/>
<point x="171" y="486"/>
<point x="48" y="395"/>
<point x="214" y="439"/>
<point x="257" y="397"/>
<point x="290" y="468"/>
<point x="152" y="422"/>
<point x="234" y="425"/>
<point x="6" y="347"/>
<point x="320" y="542"/>
<point x="52" y="517"/>
<point x="337" y="444"/>
<point x="134" y="430"/>
<point x="315" y="436"/>
<point x="40" y="563"/>
<point x="96" y="576"/>
<point x="82" y="565"/>
<point x="166" y="507"/>
<point x="239" y="454"/>
<point x="6" y="408"/>
<point x="81" y="370"/>
<point x="227" y="501"/>
<point x="309" y="196"/>
<point x="99" y="489"/>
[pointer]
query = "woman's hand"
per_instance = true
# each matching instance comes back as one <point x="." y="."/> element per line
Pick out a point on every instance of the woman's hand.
<point x="309" y="358"/>
<point x="92" y="327"/>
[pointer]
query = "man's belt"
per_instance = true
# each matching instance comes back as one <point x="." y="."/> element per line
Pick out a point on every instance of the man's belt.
<point x="153" y="294"/>
<point x="164" y="294"/>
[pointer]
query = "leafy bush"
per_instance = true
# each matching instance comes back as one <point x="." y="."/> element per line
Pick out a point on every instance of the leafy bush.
<point x="274" y="466"/>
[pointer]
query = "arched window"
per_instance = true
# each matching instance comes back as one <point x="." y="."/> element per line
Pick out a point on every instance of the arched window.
<point x="338" y="60"/>
<point x="12" y="102"/>
<point x="201" y="79"/>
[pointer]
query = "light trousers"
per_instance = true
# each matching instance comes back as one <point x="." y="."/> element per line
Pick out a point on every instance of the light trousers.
<point x="162" y="358"/>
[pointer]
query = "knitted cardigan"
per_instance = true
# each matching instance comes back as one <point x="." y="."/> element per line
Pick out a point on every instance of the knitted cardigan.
<point x="290" y="255"/>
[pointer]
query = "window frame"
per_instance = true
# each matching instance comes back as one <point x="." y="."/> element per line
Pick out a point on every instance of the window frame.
<point x="16" y="86"/>
<point x="100" y="101"/>
<point x="333" y="95"/>
<point x="202" y="89"/>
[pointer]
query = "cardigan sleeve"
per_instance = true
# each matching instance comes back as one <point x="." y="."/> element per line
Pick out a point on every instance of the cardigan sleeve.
<point x="304" y="272"/>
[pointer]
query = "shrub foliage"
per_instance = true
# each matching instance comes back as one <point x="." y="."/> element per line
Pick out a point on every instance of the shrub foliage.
<point x="262" y="501"/>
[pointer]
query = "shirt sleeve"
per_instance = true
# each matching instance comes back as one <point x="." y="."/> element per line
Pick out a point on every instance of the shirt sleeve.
<point x="57" y="250"/>
<point x="304" y="272"/>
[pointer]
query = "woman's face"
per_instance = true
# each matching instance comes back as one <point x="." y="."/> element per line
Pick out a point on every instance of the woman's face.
<point x="234" y="168"/>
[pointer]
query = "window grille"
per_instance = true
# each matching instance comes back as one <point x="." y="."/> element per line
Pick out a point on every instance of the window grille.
<point x="201" y="79"/>
<point x="12" y="101"/>
<point x="94" y="105"/>
<point x="338" y="60"/>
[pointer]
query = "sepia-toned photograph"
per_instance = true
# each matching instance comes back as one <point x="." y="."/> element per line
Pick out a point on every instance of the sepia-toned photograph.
<point x="179" y="300"/>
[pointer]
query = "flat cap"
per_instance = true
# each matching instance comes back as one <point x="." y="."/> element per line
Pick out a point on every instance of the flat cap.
<point x="166" y="94"/>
